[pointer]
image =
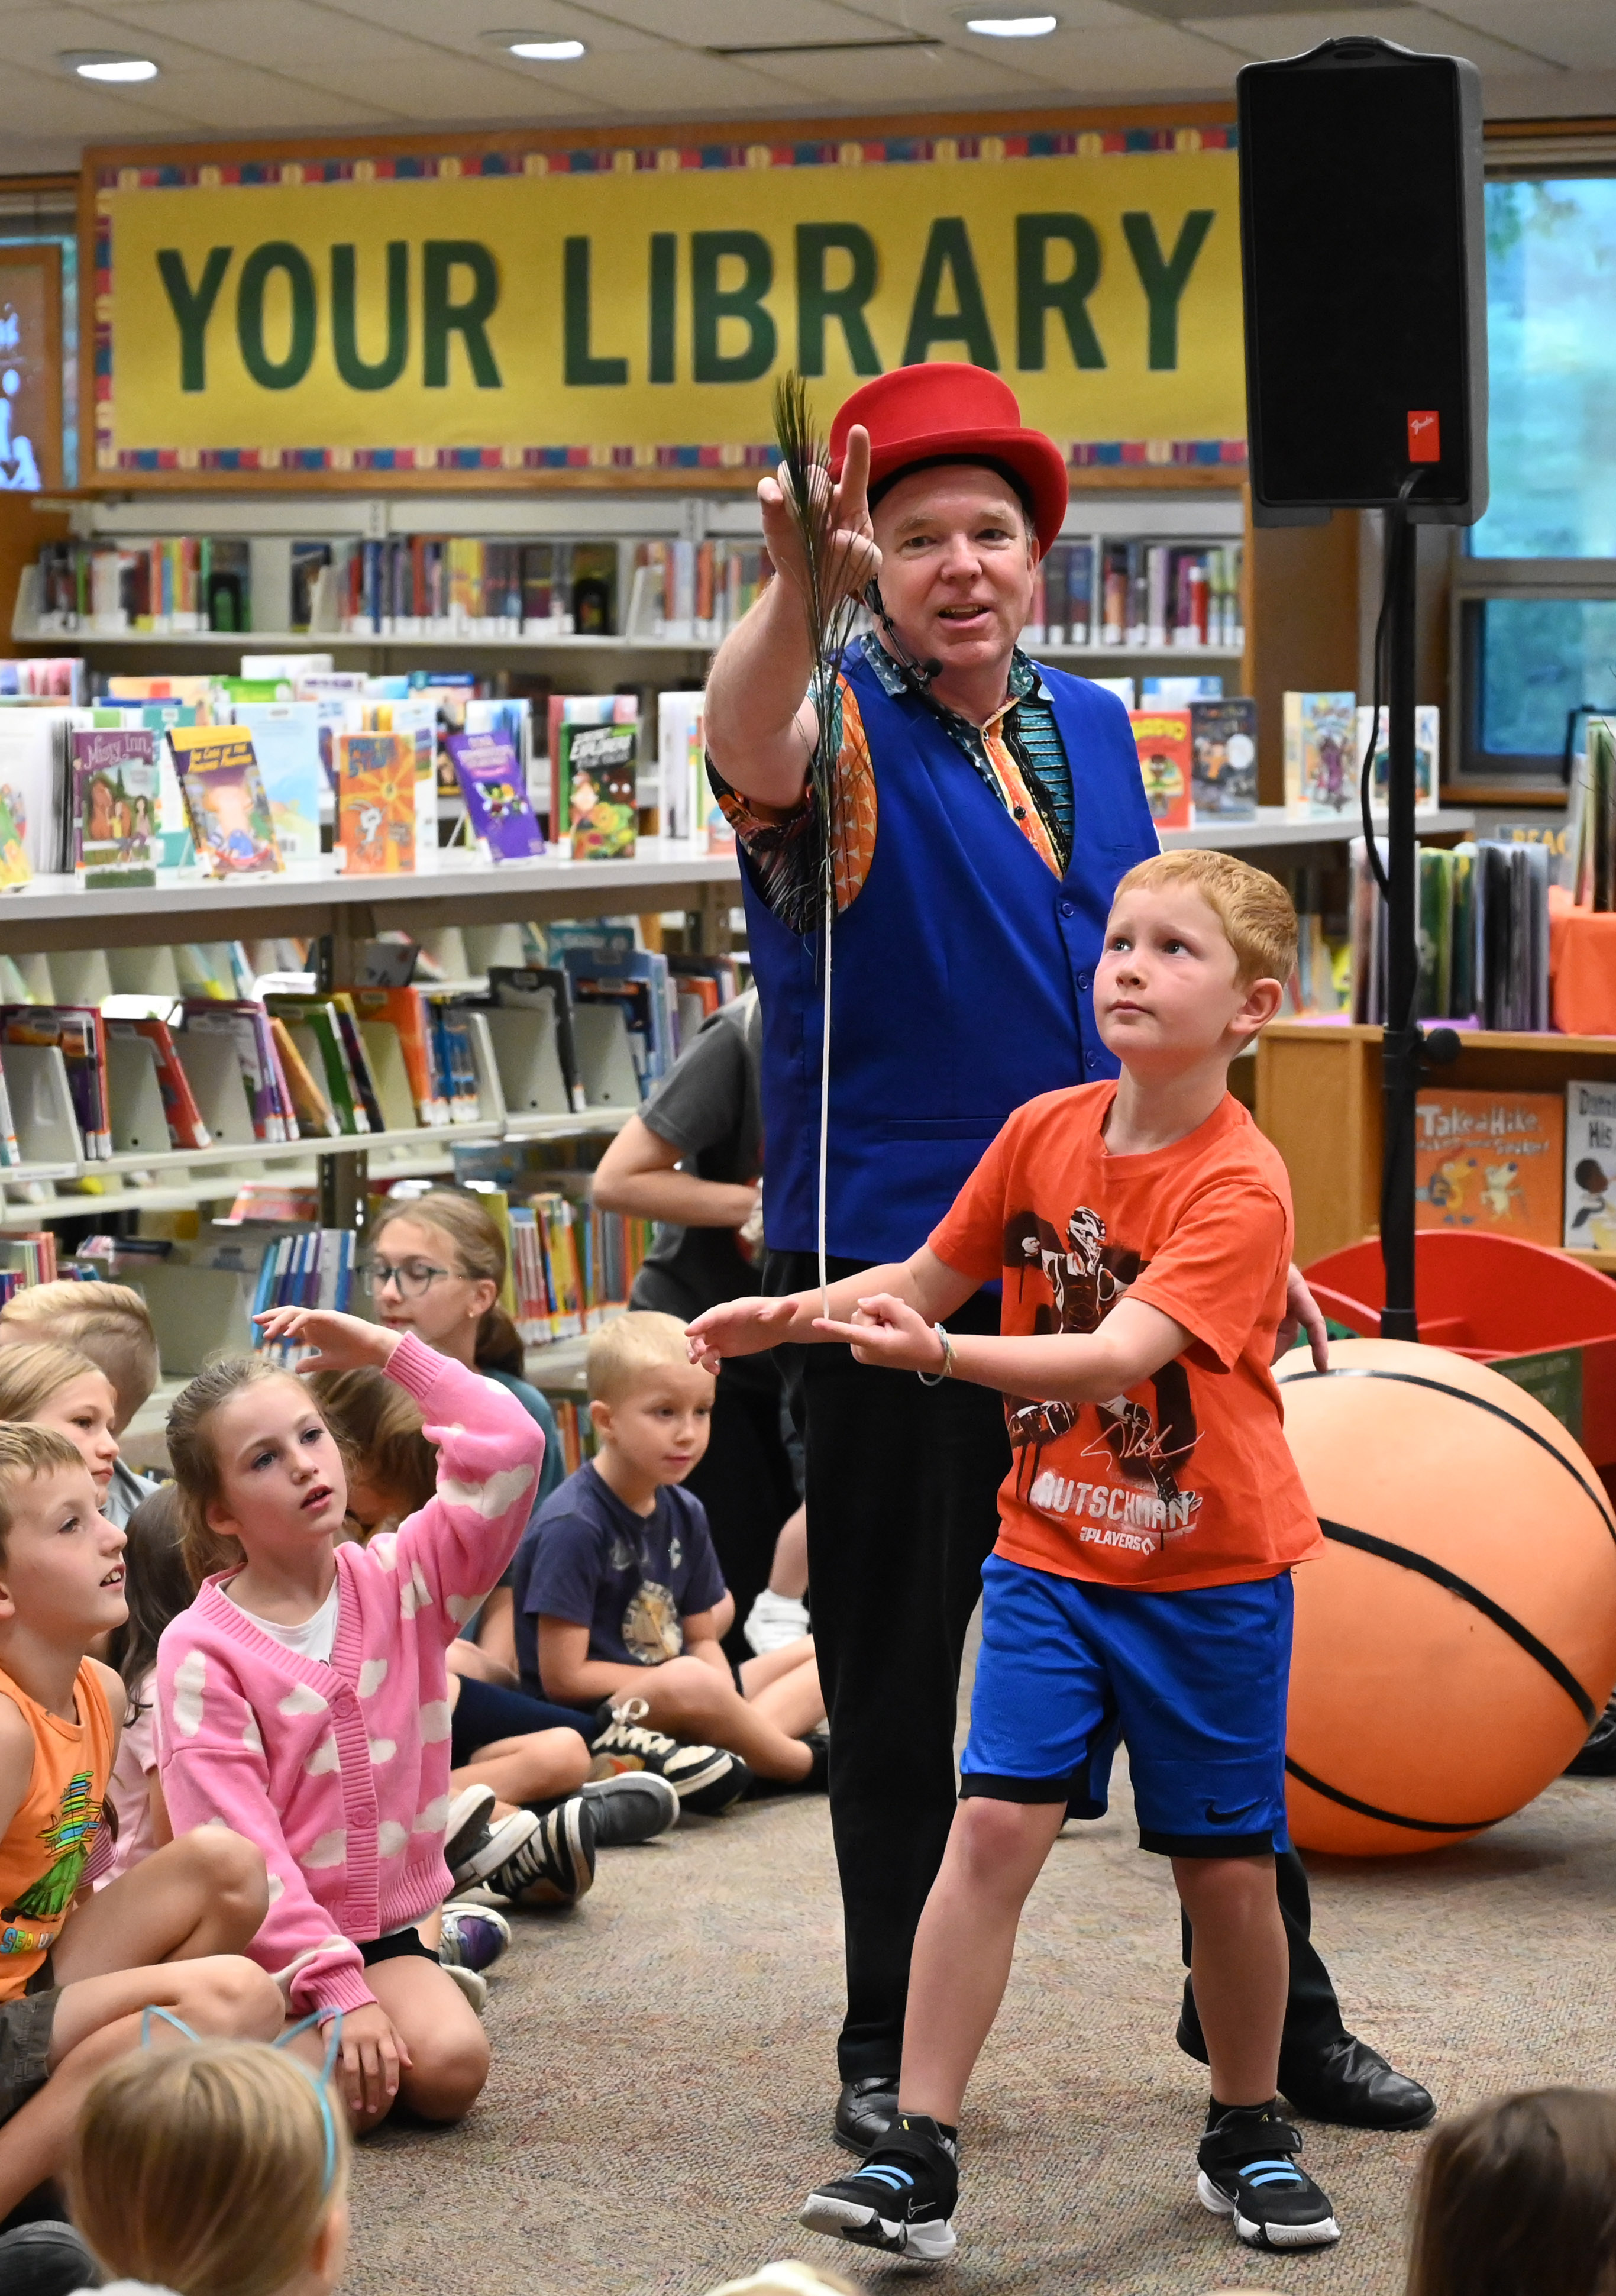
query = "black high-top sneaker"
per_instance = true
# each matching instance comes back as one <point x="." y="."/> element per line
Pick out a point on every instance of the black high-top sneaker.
<point x="900" y="2198"/>
<point x="1249" y="2171"/>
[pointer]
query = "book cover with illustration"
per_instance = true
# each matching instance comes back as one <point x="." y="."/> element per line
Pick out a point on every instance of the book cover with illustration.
<point x="1494" y="1161"/>
<point x="601" y="791"/>
<point x="1427" y="736"/>
<point x="376" y="803"/>
<point x="116" y="795"/>
<point x="1223" y="770"/>
<point x="1321" y="762"/>
<point x="490" y="777"/>
<point x="286" y="742"/>
<point x="1166" y="760"/>
<point x="1590" y="1165"/>
<point x="224" y="797"/>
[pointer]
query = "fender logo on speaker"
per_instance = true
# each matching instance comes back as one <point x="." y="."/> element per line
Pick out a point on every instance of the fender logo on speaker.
<point x="1426" y="437"/>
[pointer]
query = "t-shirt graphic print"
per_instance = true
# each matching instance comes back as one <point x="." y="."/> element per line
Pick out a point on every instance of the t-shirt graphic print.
<point x="1185" y="1480"/>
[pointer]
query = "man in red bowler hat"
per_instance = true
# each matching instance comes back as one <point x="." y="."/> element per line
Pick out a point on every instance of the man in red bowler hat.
<point x="986" y="807"/>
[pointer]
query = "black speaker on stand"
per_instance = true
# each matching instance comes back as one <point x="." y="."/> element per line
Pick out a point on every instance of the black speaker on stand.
<point x="1365" y="332"/>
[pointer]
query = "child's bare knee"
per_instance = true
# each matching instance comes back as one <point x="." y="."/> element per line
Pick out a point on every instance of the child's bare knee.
<point x="572" y="1755"/>
<point x="225" y="1993"/>
<point x="446" y="2075"/>
<point x="229" y="1870"/>
<point x="994" y="1839"/>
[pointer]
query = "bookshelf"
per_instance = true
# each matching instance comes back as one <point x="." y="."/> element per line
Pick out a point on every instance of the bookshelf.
<point x="1318" y="1100"/>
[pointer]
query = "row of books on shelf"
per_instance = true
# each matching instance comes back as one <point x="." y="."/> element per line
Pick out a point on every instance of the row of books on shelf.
<point x="573" y="1265"/>
<point x="1090" y="592"/>
<point x="1483" y="933"/>
<point x="594" y="1030"/>
<point x="1539" y="1166"/>
<point x="313" y="1267"/>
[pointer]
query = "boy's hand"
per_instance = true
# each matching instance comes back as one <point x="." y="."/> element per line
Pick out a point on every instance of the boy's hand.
<point x="339" y="1342"/>
<point x="372" y="2050"/>
<point x="1302" y="1313"/>
<point x="739" y="1327"/>
<point x="886" y="1330"/>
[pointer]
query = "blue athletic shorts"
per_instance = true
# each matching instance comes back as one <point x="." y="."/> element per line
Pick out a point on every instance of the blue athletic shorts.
<point x="1193" y="1684"/>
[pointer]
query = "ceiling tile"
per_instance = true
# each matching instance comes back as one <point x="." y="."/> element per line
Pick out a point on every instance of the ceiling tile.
<point x="234" y="100"/>
<point x="36" y="103"/>
<point x="1578" y="33"/>
<point x="726" y="23"/>
<point x="305" y="39"/>
<point x="419" y="86"/>
<point x="1410" y="28"/>
<point x="462" y="27"/>
<point x="667" y="83"/>
<point x="912" y="78"/>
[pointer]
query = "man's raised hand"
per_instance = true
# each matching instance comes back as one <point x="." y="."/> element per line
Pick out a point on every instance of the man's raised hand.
<point x="854" y="561"/>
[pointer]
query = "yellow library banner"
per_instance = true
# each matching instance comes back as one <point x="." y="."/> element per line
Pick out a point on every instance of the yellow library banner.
<point x="513" y="311"/>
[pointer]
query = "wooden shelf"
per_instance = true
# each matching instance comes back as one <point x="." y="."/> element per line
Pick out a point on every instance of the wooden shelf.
<point x="1275" y="828"/>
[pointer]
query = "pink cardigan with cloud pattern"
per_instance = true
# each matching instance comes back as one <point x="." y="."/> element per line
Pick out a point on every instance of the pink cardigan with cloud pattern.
<point x="340" y="1773"/>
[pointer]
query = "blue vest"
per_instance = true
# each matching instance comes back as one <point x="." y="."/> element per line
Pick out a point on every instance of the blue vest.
<point x="961" y="976"/>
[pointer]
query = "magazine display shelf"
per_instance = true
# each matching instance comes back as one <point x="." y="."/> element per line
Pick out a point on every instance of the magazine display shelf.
<point x="1318" y="1100"/>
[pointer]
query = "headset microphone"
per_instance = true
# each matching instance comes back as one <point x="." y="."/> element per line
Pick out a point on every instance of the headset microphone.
<point x="921" y="673"/>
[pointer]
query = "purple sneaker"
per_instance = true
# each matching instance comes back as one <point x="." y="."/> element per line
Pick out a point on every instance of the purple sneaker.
<point x="473" y="1936"/>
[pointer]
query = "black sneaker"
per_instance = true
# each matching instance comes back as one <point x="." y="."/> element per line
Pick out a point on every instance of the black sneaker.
<point x="633" y="1806"/>
<point x="478" y="1854"/>
<point x="899" y="2199"/>
<point x="45" y="2258"/>
<point x="706" y="1778"/>
<point x="467" y="1828"/>
<point x="1249" y="2171"/>
<point x="555" y="1865"/>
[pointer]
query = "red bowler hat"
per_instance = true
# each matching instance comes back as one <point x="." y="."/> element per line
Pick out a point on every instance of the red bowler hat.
<point x="945" y="411"/>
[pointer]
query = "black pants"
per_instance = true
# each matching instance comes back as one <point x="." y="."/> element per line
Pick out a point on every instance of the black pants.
<point x="747" y="1485"/>
<point x="902" y="1511"/>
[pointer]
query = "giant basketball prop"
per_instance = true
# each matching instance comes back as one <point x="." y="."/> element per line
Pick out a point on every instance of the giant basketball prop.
<point x="1457" y="1639"/>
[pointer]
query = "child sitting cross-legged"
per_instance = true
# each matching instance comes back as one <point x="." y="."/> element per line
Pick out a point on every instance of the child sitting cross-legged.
<point x="619" y="1602"/>
<point x="76" y="1969"/>
<point x="213" y="2170"/>
<point x="1140" y="1585"/>
<point x="302" y="1698"/>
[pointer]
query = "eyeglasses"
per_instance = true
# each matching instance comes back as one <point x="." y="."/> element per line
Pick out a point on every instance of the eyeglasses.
<point x="413" y="1277"/>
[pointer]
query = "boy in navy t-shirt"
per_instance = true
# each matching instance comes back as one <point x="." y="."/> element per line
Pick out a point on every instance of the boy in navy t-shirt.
<point x="619" y="1599"/>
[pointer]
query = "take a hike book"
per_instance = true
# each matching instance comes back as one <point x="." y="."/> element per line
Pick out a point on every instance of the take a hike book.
<point x="224" y="797"/>
<point x="1321" y="762"/>
<point x="1166" y="762"/>
<point x="116" y="801"/>
<point x="1491" y="1161"/>
<point x="1223" y="769"/>
<point x="490" y="777"/>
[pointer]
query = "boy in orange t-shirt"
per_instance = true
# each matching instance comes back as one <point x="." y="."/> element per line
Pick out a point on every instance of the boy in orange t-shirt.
<point x="1140" y="1589"/>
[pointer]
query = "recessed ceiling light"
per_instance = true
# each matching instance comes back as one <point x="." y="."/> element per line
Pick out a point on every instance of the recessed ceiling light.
<point x="105" y="64"/>
<point x="535" y="48"/>
<point x="1011" y="28"/>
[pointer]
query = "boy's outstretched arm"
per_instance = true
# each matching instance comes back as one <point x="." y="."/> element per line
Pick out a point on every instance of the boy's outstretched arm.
<point x="746" y="1327"/>
<point x="1131" y="1344"/>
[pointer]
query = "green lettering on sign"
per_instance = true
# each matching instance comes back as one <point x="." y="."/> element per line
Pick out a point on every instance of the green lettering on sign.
<point x="1555" y="1376"/>
<point x="360" y="373"/>
<point x="282" y="374"/>
<point x="664" y="305"/>
<point x="711" y="304"/>
<point x="1164" y="278"/>
<point x="948" y="249"/>
<point x="1037" y="294"/>
<point x="192" y="307"/>
<point x="818" y="302"/>
<point x="441" y="317"/>
<point x="584" y="371"/>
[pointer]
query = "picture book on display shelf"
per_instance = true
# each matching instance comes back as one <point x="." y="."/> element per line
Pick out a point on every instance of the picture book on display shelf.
<point x="1427" y="734"/>
<point x="226" y="800"/>
<point x="601" y="793"/>
<point x="492" y="780"/>
<point x="1166" y="759"/>
<point x="1492" y="1162"/>
<point x="376" y="803"/>
<point x="286" y="742"/>
<point x="1321" y="762"/>
<point x="1590" y="1165"/>
<point x="1223" y="771"/>
<point x="116" y="802"/>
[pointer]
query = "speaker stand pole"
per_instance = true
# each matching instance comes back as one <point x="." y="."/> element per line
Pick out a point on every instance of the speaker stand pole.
<point x="1403" y="1044"/>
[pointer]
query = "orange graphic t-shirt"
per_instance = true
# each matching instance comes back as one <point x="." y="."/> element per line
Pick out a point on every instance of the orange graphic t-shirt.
<point x="1186" y="1480"/>
<point x="46" y="1847"/>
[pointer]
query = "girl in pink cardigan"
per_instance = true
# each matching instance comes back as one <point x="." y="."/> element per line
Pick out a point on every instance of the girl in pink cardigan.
<point x="302" y="1700"/>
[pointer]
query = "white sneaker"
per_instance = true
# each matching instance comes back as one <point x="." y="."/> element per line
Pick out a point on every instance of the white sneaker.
<point x="775" y="1620"/>
<point x="472" y="1983"/>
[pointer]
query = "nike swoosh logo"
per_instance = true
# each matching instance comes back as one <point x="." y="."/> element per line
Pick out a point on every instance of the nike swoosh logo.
<point x="1215" y="1816"/>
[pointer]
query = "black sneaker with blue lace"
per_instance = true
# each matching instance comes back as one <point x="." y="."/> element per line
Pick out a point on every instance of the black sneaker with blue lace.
<point x="1249" y="2171"/>
<point x="900" y="2198"/>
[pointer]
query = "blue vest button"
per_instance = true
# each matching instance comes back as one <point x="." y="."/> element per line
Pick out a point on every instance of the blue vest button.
<point x="1091" y="1060"/>
<point x="1082" y="981"/>
<point x="1067" y="909"/>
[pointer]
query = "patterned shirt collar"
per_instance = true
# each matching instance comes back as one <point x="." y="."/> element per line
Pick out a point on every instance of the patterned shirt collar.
<point x="1023" y="678"/>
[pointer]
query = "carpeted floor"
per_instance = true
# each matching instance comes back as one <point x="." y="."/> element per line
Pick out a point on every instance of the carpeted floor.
<point x="663" y="2067"/>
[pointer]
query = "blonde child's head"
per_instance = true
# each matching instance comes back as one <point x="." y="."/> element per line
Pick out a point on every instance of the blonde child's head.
<point x="208" y="1426"/>
<point x="646" y="1398"/>
<point x="1256" y="912"/>
<point x="392" y="1468"/>
<point x="213" y="2168"/>
<point x="54" y="1386"/>
<point x="109" y="1322"/>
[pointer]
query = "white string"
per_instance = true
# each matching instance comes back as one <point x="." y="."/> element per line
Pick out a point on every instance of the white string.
<point x="824" y="1095"/>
